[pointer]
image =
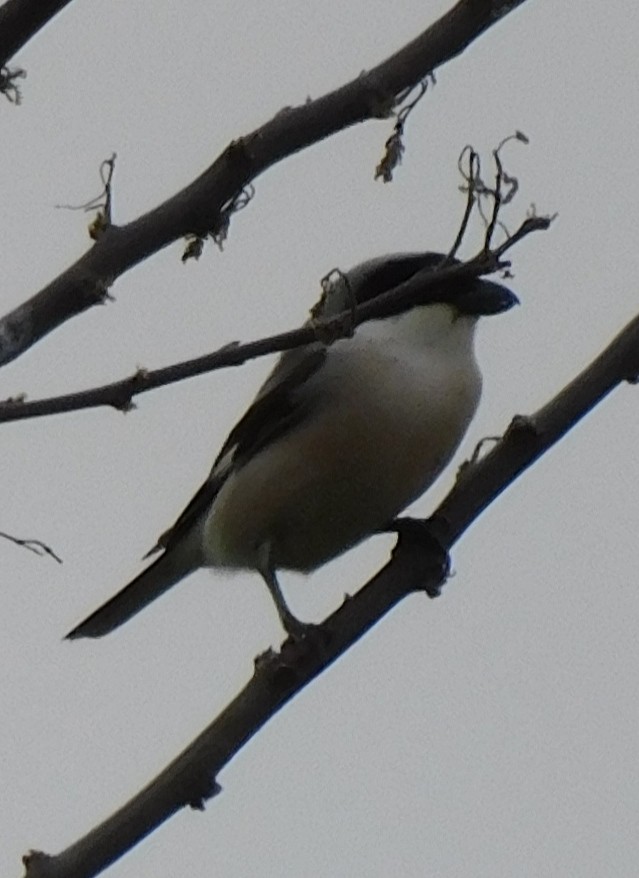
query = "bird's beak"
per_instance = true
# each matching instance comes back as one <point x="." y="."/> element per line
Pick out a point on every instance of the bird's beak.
<point x="486" y="297"/>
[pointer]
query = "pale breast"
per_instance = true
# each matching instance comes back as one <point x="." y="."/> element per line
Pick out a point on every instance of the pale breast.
<point x="378" y="440"/>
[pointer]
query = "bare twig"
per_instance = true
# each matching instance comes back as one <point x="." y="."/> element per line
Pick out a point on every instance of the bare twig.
<point x="36" y="546"/>
<point x="421" y="288"/>
<point x="530" y="224"/>
<point x="103" y="202"/>
<point x="469" y="175"/>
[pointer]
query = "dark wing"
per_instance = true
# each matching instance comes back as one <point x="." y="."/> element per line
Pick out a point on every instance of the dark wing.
<point x="277" y="408"/>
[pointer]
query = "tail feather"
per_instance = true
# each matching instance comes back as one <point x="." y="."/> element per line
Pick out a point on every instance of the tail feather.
<point x="149" y="585"/>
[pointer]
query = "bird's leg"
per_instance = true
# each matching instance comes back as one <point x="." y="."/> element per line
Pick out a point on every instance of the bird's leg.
<point x="292" y="625"/>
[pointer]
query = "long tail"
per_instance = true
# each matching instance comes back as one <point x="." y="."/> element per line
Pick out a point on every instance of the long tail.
<point x="149" y="585"/>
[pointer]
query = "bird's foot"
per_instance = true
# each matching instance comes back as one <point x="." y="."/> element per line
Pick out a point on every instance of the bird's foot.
<point x="427" y="536"/>
<point x="295" y="628"/>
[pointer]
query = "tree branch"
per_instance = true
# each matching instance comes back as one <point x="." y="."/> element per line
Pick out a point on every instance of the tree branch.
<point x="190" y="779"/>
<point x="22" y="19"/>
<point x="35" y="546"/>
<point x="203" y="206"/>
<point x="421" y="288"/>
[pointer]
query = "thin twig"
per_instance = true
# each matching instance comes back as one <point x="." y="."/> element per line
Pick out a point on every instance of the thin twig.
<point x="36" y="546"/>
<point x="474" y="168"/>
<point x="421" y="288"/>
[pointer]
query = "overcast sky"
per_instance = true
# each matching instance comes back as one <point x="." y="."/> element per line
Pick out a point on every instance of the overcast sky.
<point x="492" y="732"/>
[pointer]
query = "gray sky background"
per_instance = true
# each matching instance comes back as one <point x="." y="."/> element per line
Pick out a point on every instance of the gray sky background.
<point x="492" y="732"/>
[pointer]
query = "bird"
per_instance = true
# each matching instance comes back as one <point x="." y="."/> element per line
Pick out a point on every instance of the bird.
<point x="338" y="441"/>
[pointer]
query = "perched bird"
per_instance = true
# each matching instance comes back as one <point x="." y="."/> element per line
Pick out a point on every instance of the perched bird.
<point x="338" y="441"/>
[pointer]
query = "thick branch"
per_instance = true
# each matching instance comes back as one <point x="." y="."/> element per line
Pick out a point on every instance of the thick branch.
<point x="198" y="208"/>
<point x="22" y="19"/>
<point x="190" y="779"/>
<point x="528" y="438"/>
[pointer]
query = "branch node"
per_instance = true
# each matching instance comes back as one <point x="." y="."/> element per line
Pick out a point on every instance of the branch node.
<point x="102" y="203"/>
<point x="94" y="291"/>
<point x="17" y="400"/>
<point x="478" y="450"/>
<point x="208" y="788"/>
<point x="38" y="864"/>
<point x="523" y="427"/>
<point x="262" y="661"/>
<point x="337" y="298"/>
<point x="282" y="671"/>
<point x="380" y="103"/>
<point x="220" y="229"/>
<point x="125" y="406"/>
<point x="237" y="152"/>
<point x="194" y="247"/>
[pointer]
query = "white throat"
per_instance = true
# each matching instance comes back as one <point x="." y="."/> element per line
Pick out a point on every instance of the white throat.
<point x="428" y="326"/>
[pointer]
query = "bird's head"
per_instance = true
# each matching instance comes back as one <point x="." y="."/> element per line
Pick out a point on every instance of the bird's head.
<point x="474" y="297"/>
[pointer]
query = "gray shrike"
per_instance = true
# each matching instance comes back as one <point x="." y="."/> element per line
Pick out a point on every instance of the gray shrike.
<point x="338" y="441"/>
